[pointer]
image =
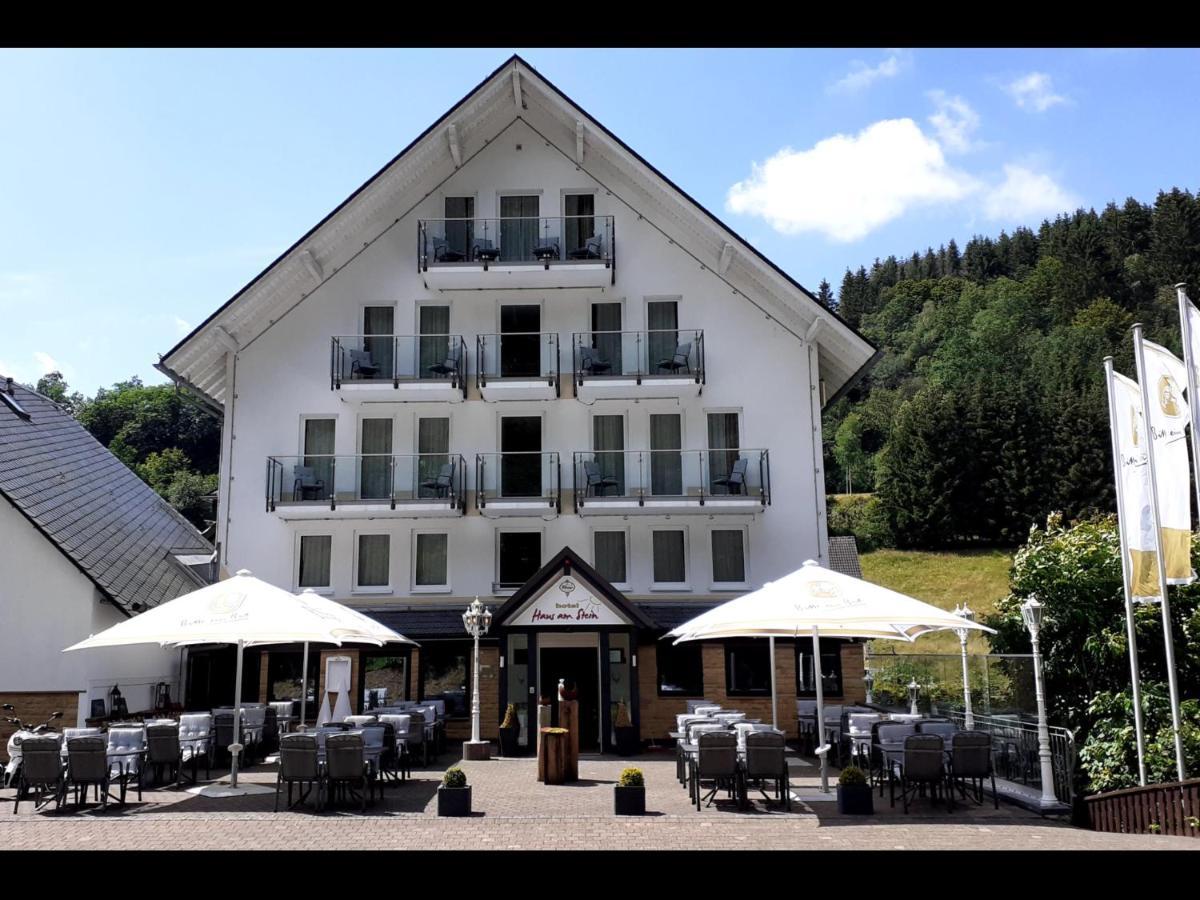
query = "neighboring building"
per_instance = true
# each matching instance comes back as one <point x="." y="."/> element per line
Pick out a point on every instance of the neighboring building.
<point x="84" y="544"/>
<point x="516" y="339"/>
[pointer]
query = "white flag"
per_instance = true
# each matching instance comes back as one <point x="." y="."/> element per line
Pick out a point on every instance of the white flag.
<point x="1134" y="484"/>
<point x="1166" y="379"/>
<point x="1194" y="332"/>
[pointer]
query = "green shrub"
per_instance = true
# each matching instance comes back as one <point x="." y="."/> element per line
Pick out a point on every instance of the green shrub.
<point x="852" y="775"/>
<point x="632" y="777"/>
<point x="862" y="516"/>
<point x="454" y="778"/>
<point x="510" y="717"/>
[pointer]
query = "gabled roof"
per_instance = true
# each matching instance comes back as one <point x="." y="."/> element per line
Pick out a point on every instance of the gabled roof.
<point x="108" y="522"/>
<point x="514" y="91"/>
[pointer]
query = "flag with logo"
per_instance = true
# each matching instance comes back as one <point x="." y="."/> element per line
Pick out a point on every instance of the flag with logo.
<point x="1134" y="484"/>
<point x="1165" y="379"/>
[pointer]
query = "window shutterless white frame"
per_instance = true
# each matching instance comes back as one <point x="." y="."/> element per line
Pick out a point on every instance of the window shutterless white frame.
<point x="358" y="429"/>
<point x="677" y="299"/>
<point x="355" y="587"/>
<point x="496" y="589"/>
<point x="360" y="324"/>
<point x="741" y="424"/>
<point x="419" y="304"/>
<point x="320" y="589"/>
<point x="418" y="415"/>
<point x="412" y="575"/>
<point x="304" y="417"/>
<point x="684" y="585"/>
<point x="620" y="585"/>
<point x="712" y="560"/>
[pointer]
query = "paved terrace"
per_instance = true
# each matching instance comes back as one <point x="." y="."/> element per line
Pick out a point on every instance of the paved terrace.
<point x="513" y="811"/>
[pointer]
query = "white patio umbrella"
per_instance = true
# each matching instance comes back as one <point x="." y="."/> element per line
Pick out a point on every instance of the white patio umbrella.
<point x="242" y="610"/>
<point x="822" y="602"/>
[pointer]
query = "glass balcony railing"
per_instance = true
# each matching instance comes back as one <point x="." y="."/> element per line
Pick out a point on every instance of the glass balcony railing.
<point x="528" y="355"/>
<point x="553" y="240"/>
<point x="638" y="354"/>
<point x="518" y="478"/>
<point x="384" y="479"/>
<point x="382" y="358"/>
<point x="686" y="475"/>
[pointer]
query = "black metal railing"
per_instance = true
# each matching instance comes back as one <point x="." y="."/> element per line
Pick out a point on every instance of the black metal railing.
<point x="541" y="240"/>
<point x="638" y="354"/>
<point x="703" y="475"/>
<point x="396" y="358"/>
<point x="517" y="355"/>
<point x="386" y="479"/>
<point x="523" y="475"/>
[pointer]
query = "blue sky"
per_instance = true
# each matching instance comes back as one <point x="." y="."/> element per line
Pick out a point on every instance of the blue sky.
<point x="141" y="189"/>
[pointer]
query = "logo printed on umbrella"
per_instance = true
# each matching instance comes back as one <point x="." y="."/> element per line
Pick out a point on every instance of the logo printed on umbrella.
<point x="226" y="603"/>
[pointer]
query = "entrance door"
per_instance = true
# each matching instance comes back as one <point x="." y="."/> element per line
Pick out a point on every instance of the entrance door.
<point x="578" y="666"/>
<point x="666" y="460"/>
<point x="521" y="462"/>
<point x="518" y="227"/>
<point x="375" y="464"/>
<point x="520" y="342"/>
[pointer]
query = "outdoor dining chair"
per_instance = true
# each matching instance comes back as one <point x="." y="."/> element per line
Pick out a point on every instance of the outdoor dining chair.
<point x="87" y="766"/>
<point x="299" y="764"/>
<point x="126" y="758"/>
<point x="766" y="760"/>
<point x="41" y="771"/>
<point x="883" y="732"/>
<point x="971" y="761"/>
<point x="946" y="729"/>
<point x="346" y="767"/>
<point x="923" y="764"/>
<point x="196" y="741"/>
<point x="163" y="751"/>
<point x="716" y="762"/>
<point x="416" y="736"/>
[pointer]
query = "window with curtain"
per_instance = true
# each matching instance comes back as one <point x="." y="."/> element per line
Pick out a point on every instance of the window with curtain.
<point x="606" y="336"/>
<point x="315" y="553"/>
<point x="430" y="554"/>
<point x="519" y="227"/>
<point x="378" y="329"/>
<point x="445" y="675"/>
<point x="608" y="442"/>
<point x="666" y="458"/>
<point x="680" y="669"/>
<point x="728" y="556"/>
<point x="831" y="668"/>
<point x="520" y="557"/>
<point x="460" y="235"/>
<point x="747" y="668"/>
<point x="374" y="556"/>
<point x="375" y="464"/>
<point x="318" y="454"/>
<point x="670" y="562"/>
<point x="433" y="453"/>
<point x="610" y="555"/>
<point x="723" y="443"/>
<point x="435" y="347"/>
<point x="580" y="224"/>
<point x="662" y="327"/>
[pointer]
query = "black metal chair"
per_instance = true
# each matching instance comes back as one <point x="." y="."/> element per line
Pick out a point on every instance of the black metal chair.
<point x="442" y="483"/>
<point x="485" y="250"/>
<point x="87" y="766"/>
<point x="591" y="363"/>
<point x="923" y="765"/>
<point x="735" y="481"/>
<point x="443" y="253"/>
<point x="597" y="482"/>
<point x="361" y="364"/>
<point x="41" y="771"/>
<point x="346" y="767"/>
<point x="590" y="250"/>
<point x="766" y="760"/>
<point x="971" y="761"/>
<point x="885" y="731"/>
<point x="547" y="250"/>
<point x="447" y="367"/>
<point x="299" y="764"/>
<point x="682" y="359"/>
<point x="306" y="484"/>
<point x="163" y="751"/>
<point x="716" y="761"/>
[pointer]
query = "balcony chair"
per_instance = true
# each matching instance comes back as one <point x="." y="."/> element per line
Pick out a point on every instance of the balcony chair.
<point x="735" y="481"/>
<point x="361" y="364"/>
<point x="597" y="482"/>
<point x="971" y="761"/>
<point x="446" y="368"/>
<point x="590" y="362"/>
<point x="546" y="251"/>
<point x="42" y="769"/>
<point x="346" y="767"/>
<point x="923" y="764"/>
<point x="87" y="766"/>
<point x="590" y="249"/>
<point x="306" y="484"/>
<point x="766" y="760"/>
<point x="442" y="483"/>
<point x="444" y="253"/>
<point x="681" y="360"/>
<point x="485" y="250"/>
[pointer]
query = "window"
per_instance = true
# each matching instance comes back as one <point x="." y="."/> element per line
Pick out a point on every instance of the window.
<point x="519" y="556"/>
<point x="666" y="458"/>
<point x="445" y="675"/>
<point x="460" y="234"/>
<point x="372" y="567"/>
<point x="315" y="553"/>
<point x="670" y="558"/>
<point x="580" y="224"/>
<point x="382" y="677"/>
<point x="283" y="677"/>
<point x="608" y="442"/>
<point x="430" y="561"/>
<point x="378" y="329"/>
<point x="316" y="482"/>
<point x="831" y="668"/>
<point x="662" y="333"/>
<point x="728" y="558"/>
<point x="375" y="466"/>
<point x="680" y="670"/>
<point x="747" y="668"/>
<point x="433" y="449"/>
<point x="434" y="345"/>
<point x="610" y="555"/>
<point x="723" y="444"/>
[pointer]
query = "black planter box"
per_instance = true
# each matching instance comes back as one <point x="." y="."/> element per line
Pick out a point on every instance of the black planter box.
<point x="629" y="801"/>
<point x="627" y="741"/>
<point x="509" y="738"/>
<point x="454" y="801"/>
<point x="855" y="799"/>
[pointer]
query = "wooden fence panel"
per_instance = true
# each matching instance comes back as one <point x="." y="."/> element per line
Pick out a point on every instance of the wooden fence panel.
<point x="1170" y="808"/>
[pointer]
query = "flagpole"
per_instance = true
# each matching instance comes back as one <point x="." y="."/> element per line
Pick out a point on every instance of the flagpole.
<point x="1161" y="555"/>
<point x="1185" y="323"/>
<point x="1122" y="523"/>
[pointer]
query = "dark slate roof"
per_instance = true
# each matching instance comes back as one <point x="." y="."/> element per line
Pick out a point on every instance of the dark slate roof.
<point x="843" y="556"/>
<point x="422" y="623"/>
<point x="103" y="517"/>
<point x="672" y="615"/>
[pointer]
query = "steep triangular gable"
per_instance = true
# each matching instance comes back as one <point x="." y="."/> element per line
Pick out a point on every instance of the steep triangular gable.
<point x="568" y="592"/>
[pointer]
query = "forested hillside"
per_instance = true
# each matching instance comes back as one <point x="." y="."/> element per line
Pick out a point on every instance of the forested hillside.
<point x="987" y="410"/>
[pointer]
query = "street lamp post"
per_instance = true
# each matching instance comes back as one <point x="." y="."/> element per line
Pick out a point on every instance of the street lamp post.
<point x="914" y="691"/>
<point x="869" y="681"/>
<point x="477" y="620"/>
<point x="967" y="613"/>
<point x="1031" y="612"/>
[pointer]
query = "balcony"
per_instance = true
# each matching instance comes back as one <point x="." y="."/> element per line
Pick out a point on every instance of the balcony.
<point x="518" y="484"/>
<point x="517" y="253"/>
<point x="372" y="486"/>
<point x="517" y="366"/>
<point x="624" y="365"/>
<point x="389" y="368"/>
<point x="666" y="482"/>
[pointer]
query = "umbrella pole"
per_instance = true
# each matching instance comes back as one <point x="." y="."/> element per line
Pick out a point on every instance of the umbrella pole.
<point x="822" y="750"/>
<point x="774" y="717"/>
<point x="303" y="689"/>
<point x="236" y="746"/>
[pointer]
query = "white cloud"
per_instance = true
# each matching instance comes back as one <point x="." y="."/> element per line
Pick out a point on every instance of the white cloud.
<point x="862" y="76"/>
<point x="46" y="362"/>
<point x="848" y="185"/>
<point x="1025" y="193"/>
<point x="1035" y="91"/>
<point x="183" y="327"/>
<point x="954" y="121"/>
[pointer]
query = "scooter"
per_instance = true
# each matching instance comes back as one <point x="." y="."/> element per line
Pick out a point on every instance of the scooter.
<point x="24" y="732"/>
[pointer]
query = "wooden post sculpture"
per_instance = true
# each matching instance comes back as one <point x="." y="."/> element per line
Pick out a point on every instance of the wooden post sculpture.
<point x="543" y="721"/>
<point x="552" y="761"/>
<point x="568" y="718"/>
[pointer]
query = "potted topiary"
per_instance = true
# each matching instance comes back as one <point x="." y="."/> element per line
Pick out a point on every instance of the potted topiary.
<point x="627" y="736"/>
<point x="629" y="794"/>
<point x="510" y="732"/>
<point x="454" y="794"/>
<point x="854" y="794"/>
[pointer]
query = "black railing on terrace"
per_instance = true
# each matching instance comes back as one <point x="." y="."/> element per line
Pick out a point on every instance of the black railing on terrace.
<point x="712" y="475"/>
<point x="320" y="479"/>
<point x="517" y="355"/>
<point x="638" y="354"/>
<point x="520" y="475"/>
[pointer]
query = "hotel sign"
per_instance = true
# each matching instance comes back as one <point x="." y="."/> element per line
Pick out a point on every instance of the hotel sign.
<point x="568" y="602"/>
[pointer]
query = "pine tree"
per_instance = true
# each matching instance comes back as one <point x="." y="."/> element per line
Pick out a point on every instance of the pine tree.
<point x="825" y="296"/>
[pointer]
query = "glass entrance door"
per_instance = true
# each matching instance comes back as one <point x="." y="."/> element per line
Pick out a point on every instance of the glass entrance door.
<point x="518" y="227"/>
<point x="520" y="341"/>
<point x="579" y="667"/>
<point x="666" y="458"/>
<point x="374" y="480"/>
<point x="521" y="458"/>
